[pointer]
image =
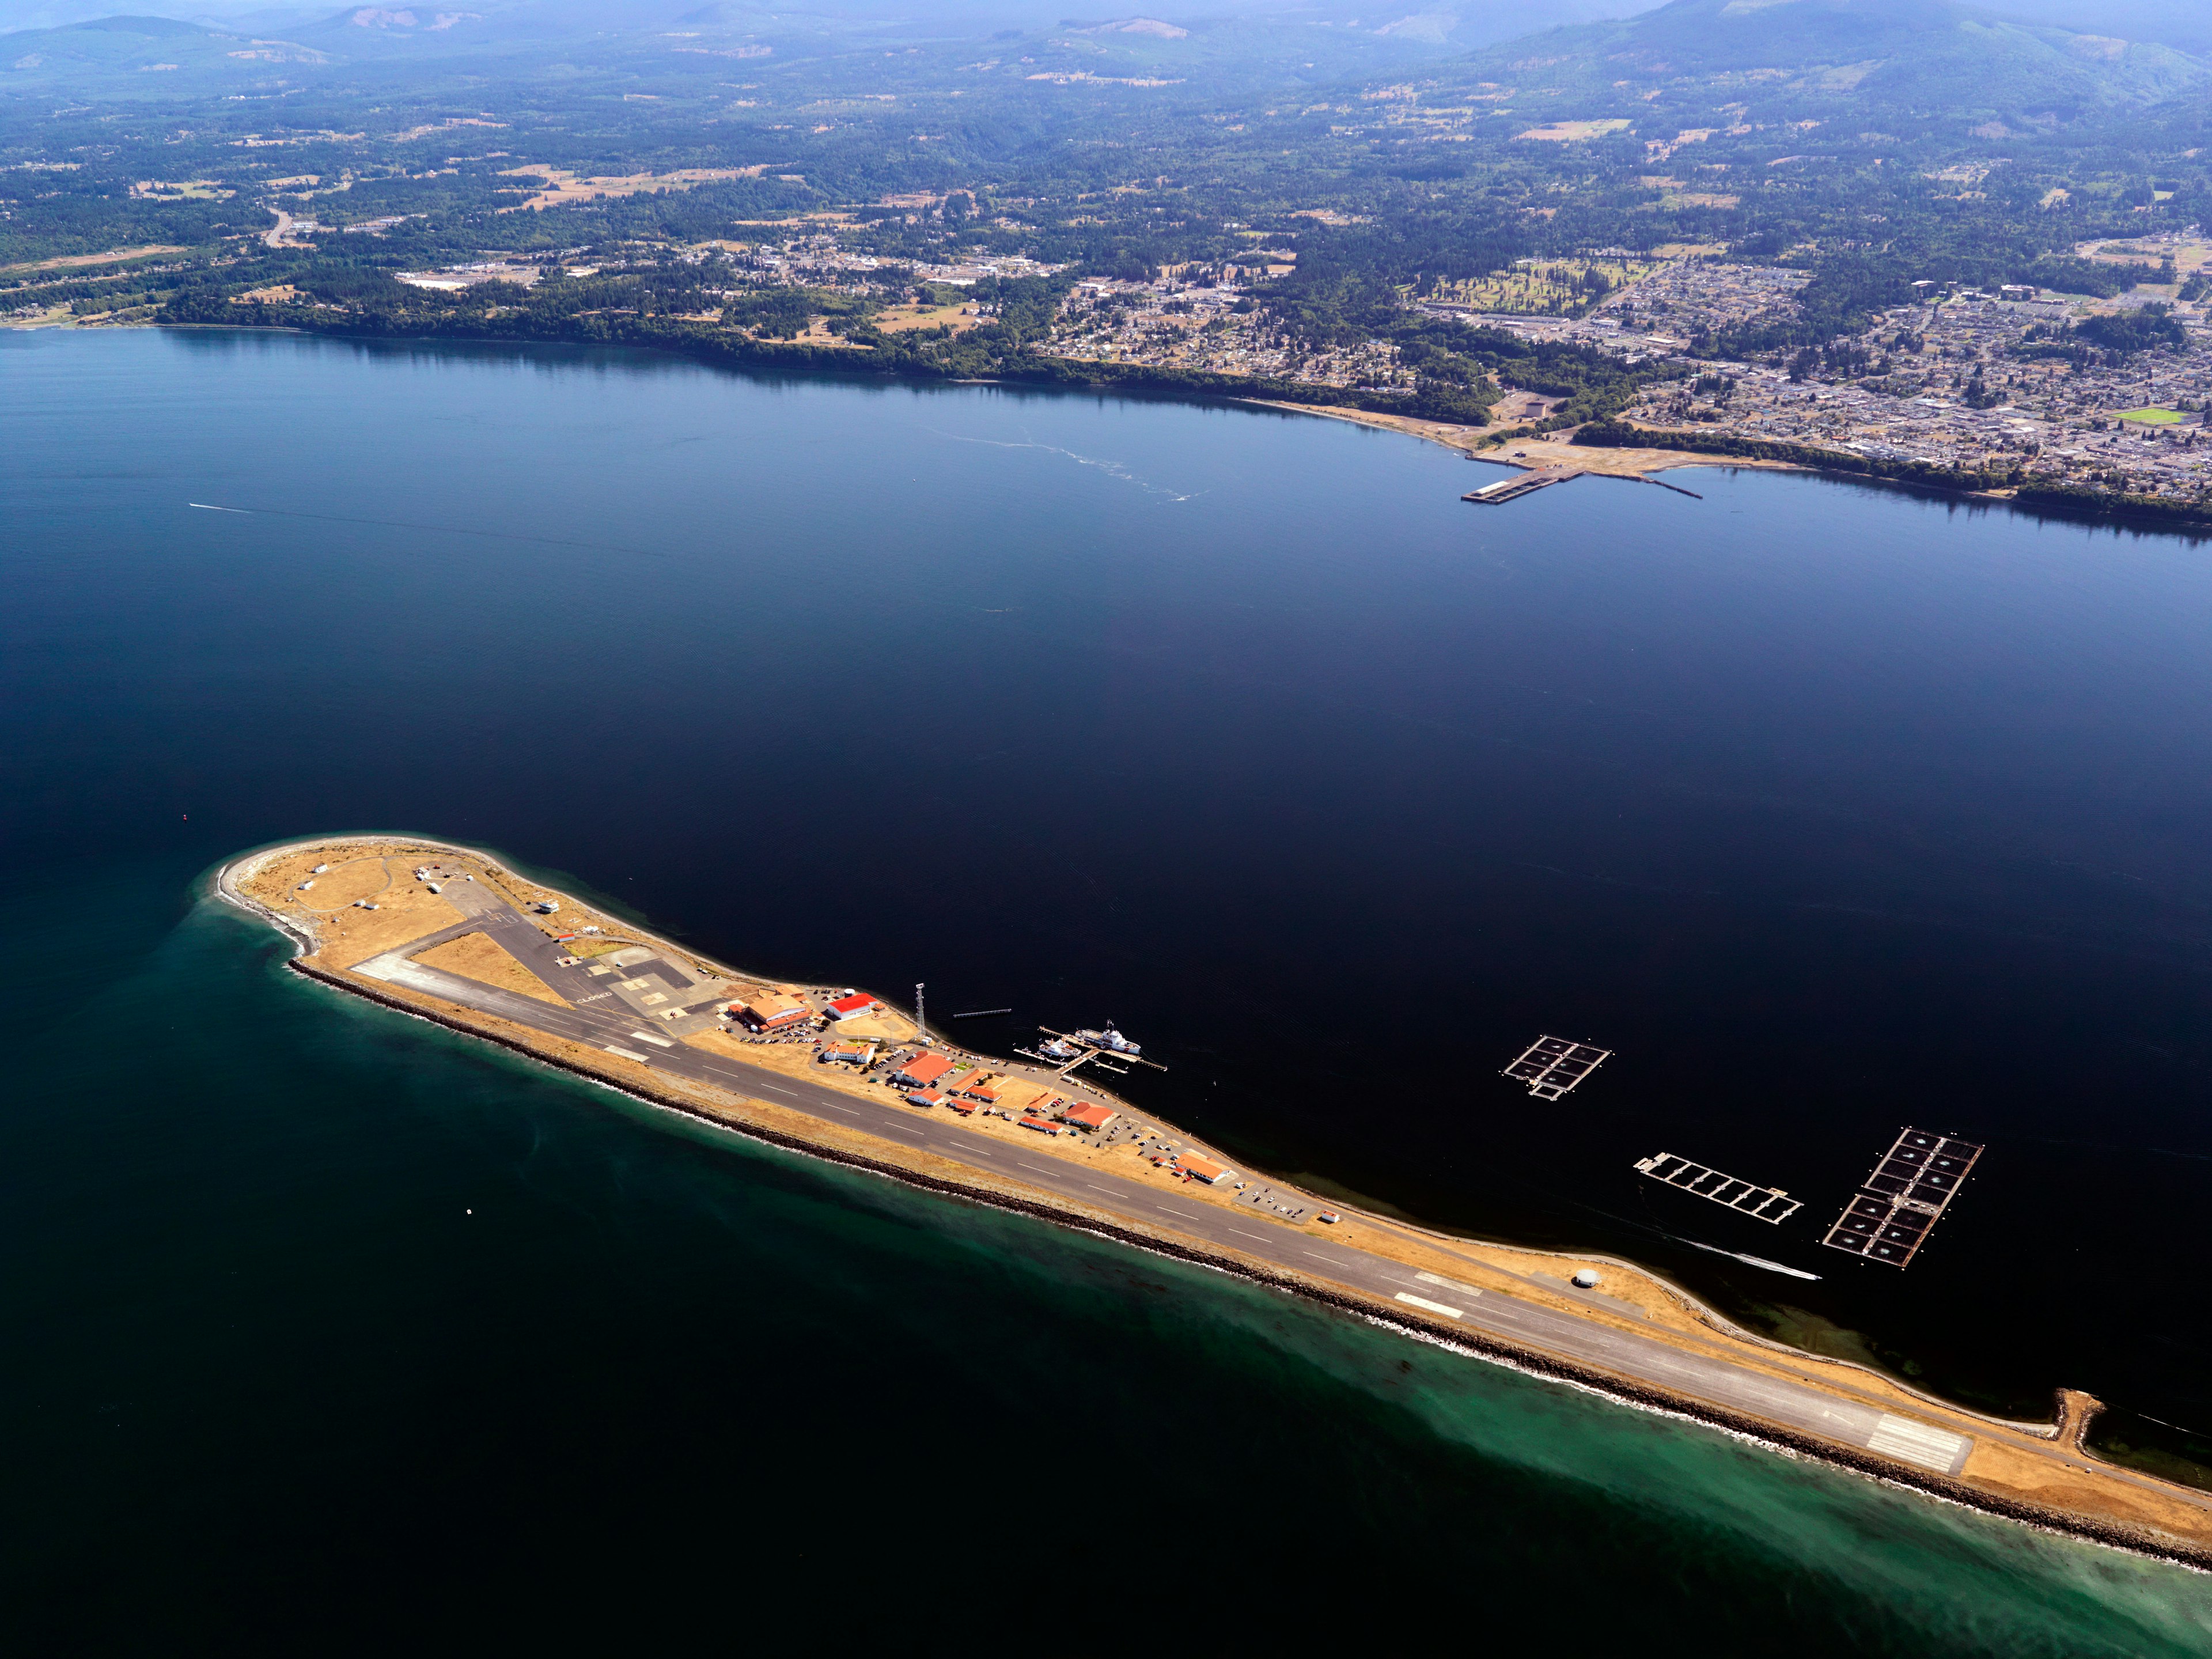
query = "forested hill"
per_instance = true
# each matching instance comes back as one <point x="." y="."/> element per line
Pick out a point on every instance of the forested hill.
<point x="1902" y="62"/>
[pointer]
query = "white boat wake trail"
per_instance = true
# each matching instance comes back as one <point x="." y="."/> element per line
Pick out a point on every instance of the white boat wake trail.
<point x="1111" y="469"/>
<point x="1755" y="1260"/>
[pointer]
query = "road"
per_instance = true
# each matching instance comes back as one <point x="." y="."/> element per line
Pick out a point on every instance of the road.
<point x="598" y="1020"/>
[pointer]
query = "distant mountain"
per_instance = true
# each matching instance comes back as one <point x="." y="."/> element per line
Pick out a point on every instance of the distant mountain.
<point x="1820" y="59"/>
<point x="152" y="52"/>
<point x="2186" y="24"/>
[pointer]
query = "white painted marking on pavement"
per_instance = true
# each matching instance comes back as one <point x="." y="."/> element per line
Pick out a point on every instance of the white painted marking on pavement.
<point x="648" y="1036"/>
<point x="1916" y="1443"/>
<point x="630" y="1054"/>
<point x="1433" y="1307"/>
<point x="1448" y="1283"/>
<point x="1262" y="1237"/>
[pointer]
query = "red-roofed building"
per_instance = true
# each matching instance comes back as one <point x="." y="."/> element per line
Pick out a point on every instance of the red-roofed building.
<point x="1212" y="1174"/>
<point x="922" y="1070"/>
<point x="1093" y="1118"/>
<point x="982" y="1086"/>
<point x="852" y="1008"/>
<point x="767" y="1009"/>
<point x="928" y="1097"/>
<point x="1043" y="1126"/>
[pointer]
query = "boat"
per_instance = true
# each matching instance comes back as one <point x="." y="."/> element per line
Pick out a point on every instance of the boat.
<point x="1110" y="1040"/>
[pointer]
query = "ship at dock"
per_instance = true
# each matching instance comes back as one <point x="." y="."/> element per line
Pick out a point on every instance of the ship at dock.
<point x="1110" y="1040"/>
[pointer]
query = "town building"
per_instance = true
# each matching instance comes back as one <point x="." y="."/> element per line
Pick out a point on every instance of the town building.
<point x="765" y="1009"/>
<point x="921" y="1071"/>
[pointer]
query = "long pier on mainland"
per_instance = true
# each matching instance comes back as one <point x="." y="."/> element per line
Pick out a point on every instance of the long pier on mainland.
<point x="1542" y="477"/>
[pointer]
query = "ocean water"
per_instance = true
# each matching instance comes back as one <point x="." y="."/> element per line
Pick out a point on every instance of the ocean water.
<point x="333" y="1331"/>
<point x="1829" y="809"/>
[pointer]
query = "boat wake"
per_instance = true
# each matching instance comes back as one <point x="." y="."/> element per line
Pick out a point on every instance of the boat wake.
<point x="1111" y="469"/>
<point x="1755" y="1260"/>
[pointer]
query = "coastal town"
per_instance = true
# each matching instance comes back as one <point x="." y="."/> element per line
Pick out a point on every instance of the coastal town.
<point x="1959" y="379"/>
<point x="2105" y="394"/>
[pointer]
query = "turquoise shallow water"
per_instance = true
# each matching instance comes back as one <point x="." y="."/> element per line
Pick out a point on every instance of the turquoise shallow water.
<point x="335" y="1330"/>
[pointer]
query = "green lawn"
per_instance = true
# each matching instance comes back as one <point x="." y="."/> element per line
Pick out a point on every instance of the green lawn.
<point x="2155" y="416"/>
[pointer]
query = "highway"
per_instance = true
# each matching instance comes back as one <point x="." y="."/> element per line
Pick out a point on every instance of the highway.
<point x="601" y="1022"/>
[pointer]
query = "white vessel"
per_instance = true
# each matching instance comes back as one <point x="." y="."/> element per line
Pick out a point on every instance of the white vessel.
<point x="1110" y="1040"/>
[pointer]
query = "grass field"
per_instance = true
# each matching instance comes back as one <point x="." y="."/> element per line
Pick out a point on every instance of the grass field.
<point x="2153" y="416"/>
<point x="1566" y="132"/>
<point x="1546" y="288"/>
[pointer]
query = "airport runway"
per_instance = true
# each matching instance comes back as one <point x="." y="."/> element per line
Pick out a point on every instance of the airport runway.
<point x="601" y="1021"/>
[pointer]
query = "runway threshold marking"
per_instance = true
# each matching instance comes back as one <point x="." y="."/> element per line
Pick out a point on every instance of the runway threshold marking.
<point x="1447" y="1283"/>
<point x="648" y="1036"/>
<point x="1432" y="1307"/>
<point x="630" y="1054"/>
<point x="1929" y="1447"/>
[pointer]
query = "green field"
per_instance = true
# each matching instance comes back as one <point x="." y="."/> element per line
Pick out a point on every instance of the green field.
<point x="2155" y="416"/>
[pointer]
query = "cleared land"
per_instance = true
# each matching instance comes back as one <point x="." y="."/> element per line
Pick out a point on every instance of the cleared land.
<point x="1546" y="287"/>
<point x="1561" y="133"/>
<point x="474" y="957"/>
<point x="1528" y="454"/>
<point x="72" y="261"/>
<point x="562" y="187"/>
<point x="959" y="317"/>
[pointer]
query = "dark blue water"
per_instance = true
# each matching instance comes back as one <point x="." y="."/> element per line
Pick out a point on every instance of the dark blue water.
<point x="1829" y="809"/>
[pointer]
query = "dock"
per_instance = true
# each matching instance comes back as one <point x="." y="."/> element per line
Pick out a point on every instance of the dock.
<point x="1511" y="490"/>
<point x="1542" y="477"/>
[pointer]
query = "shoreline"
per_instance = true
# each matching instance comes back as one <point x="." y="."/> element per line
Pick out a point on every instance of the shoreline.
<point x="2185" y="1535"/>
<point x="2092" y="510"/>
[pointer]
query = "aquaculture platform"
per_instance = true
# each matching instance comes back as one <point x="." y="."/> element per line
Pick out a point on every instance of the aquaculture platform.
<point x="1900" y="1203"/>
<point x="1551" y="1066"/>
<point x="1764" y="1203"/>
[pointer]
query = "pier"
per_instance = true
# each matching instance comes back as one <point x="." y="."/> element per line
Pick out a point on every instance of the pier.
<point x="1511" y="490"/>
<point x="1542" y="477"/>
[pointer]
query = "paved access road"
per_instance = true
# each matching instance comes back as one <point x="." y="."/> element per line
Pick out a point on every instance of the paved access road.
<point x="600" y="1020"/>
